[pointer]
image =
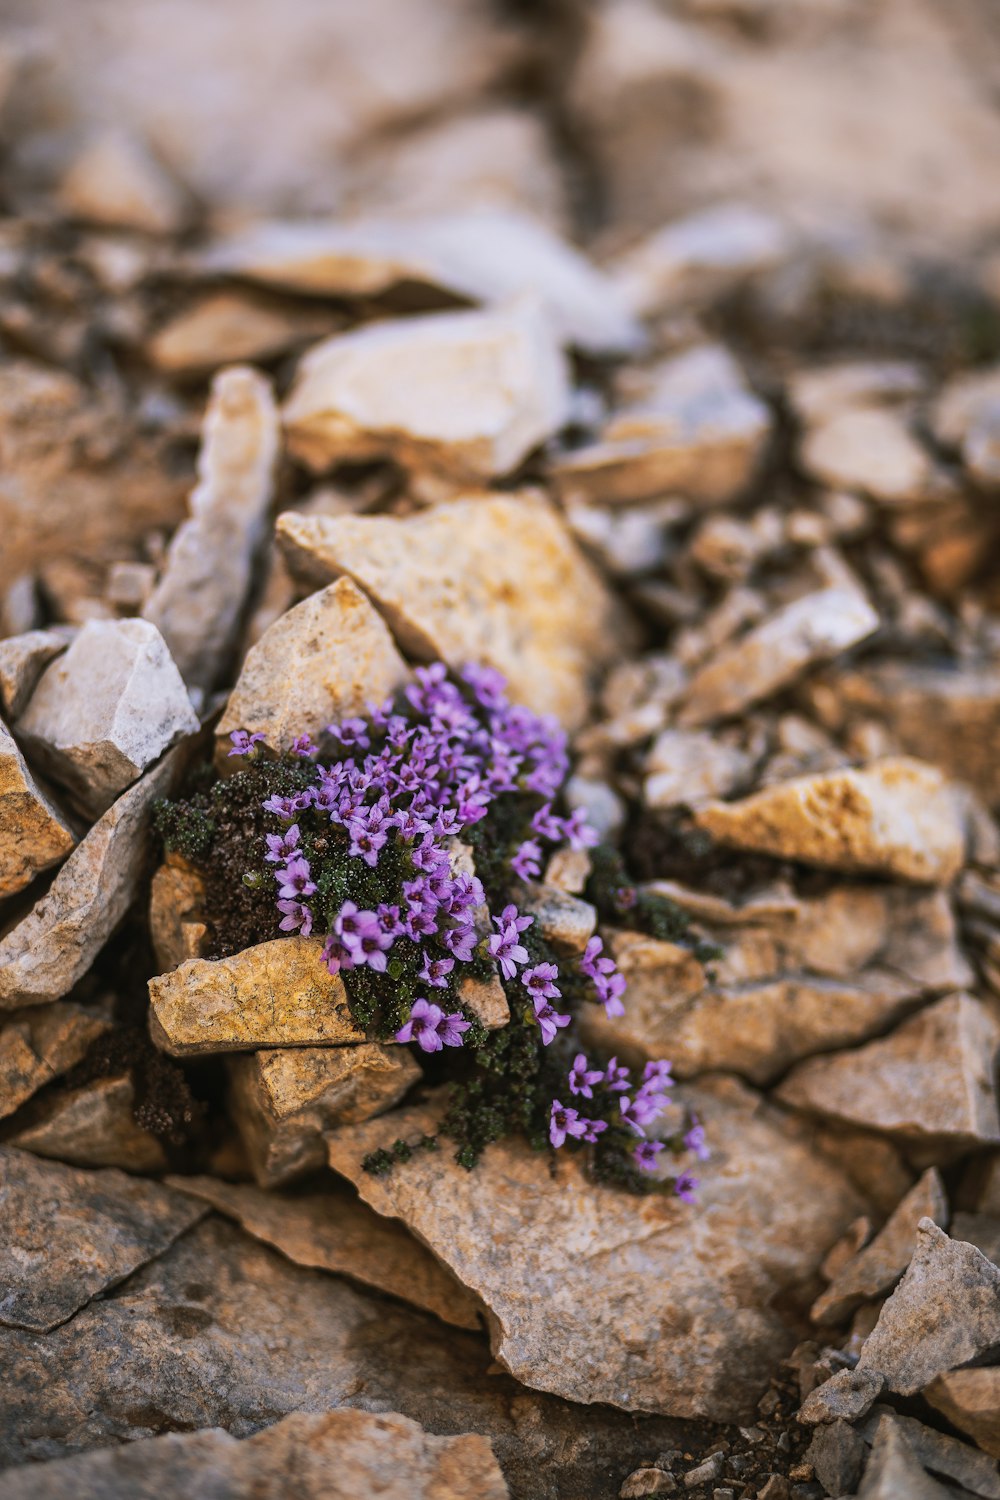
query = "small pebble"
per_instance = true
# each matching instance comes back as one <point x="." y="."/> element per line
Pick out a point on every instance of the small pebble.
<point x="642" y="1482"/>
<point x="776" y="1488"/>
<point x="705" y="1472"/>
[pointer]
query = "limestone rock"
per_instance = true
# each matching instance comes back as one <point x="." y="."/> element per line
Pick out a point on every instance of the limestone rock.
<point x="894" y="817"/>
<point x="276" y="994"/>
<point x="684" y="768"/>
<point x="465" y="395"/>
<point x="487" y="255"/>
<point x="283" y="1099"/>
<point x="227" y="328"/>
<point x="773" y="654"/>
<point x="176" y="901"/>
<point x="23" y="658"/>
<point x="646" y="1306"/>
<point x="876" y="1269"/>
<point x="117" y="183"/>
<point x="872" y="451"/>
<point x="845" y="1397"/>
<point x="43" y="956"/>
<point x="937" y="1451"/>
<point x="562" y="920"/>
<point x="966" y="408"/>
<point x="837" y="1454"/>
<point x="38" y="1044"/>
<point x="944" y="1313"/>
<point x="486" y="999"/>
<point x="818" y="394"/>
<point x="91" y="1126"/>
<point x="827" y="972"/>
<point x="894" y="1470"/>
<point x="970" y="1399"/>
<point x="336" y="1455"/>
<point x="198" y="601"/>
<point x="66" y="1236"/>
<point x="332" y="1230"/>
<point x="33" y="833"/>
<point x="322" y="661"/>
<point x="928" y="1083"/>
<point x="492" y="579"/>
<point x="693" y="427"/>
<point x="105" y="710"/>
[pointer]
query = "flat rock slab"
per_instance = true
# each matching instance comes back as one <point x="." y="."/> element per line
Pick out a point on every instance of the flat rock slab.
<point x="106" y="710"/>
<point x="944" y="1455"/>
<point x="225" y="327"/>
<point x="970" y="1399"/>
<point x="465" y="395"/>
<point x="283" y="1099"/>
<point x="337" y="1455"/>
<point x="597" y="1295"/>
<point x="276" y="994"/>
<point x="894" y="817"/>
<point x="67" y="1235"/>
<point x="930" y="1081"/>
<point x="34" y="835"/>
<point x="321" y="662"/>
<point x="43" y="956"/>
<point x="332" y="1230"/>
<point x="492" y="579"/>
<point x="894" y="1471"/>
<point x="38" y="1044"/>
<point x="92" y="1126"/>
<point x="23" y="658"/>
<point x="871" y="450"/>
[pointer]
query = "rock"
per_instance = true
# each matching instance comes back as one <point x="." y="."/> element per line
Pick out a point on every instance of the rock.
<point x="845" y="1397"/>
<point x="43" y="956"/>
<point x="944" y="1313"/>
<point x="894" y="1471"/>
<point x="943" y="1455"/>
<point x="230" y="327"/>
<point x="37" y="1045"/>
<point x="685" y="767"/>
<point x="693" y="427"/>
<point x="773" y="654"/>
<point x="970" y="1400"/>
<point x="562" y="920"/>
<point x="92" y="1126"/>
<point x="276" y="994"/>
<point x="115" y="182"/>
<point x="569" y="870"/>
<point x="464" y="395"/>
<point x="642" y="1482"/>
<point x="322" y="661"/>
<point x="23" y="658"/>
<point x="837" y="1454"/>
<point x="629" y="542"/>
<point x="176" y="903"/>
<point x="817" y="395"/>
<point x="964" y="417"/>
<point x="872" y="451"/>
<point x="200" y="597"/>
<point x="335" y="1455"/>
<point x="105" y="710"/>
<point x="487" y="255"/>
<point x="892" y="817"/>
<point x="929" y="1083"/>
<point x="486" y="999"/>
<point x="877" y="1268"/>
<point x="493" y="579"/>
<point x="34" y="835"/>
<point x="650" y="1307"/>
<point x="331" y="1230"/>
<point x="831" y="971"/>
<point x="67" y="1236"/>
<point x="129" y="586"/>
<point x="283" y="1099"/>
<point x="981" y="1230"/>
<point x="695" y="260"/>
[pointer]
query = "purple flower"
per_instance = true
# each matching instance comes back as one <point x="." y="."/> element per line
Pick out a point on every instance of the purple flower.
<point x="351" y="732"/>
<point x="579" y="832"/>
<point x="489" y="685"/>
<point x="435" y="971"/>
<point x="685" y="1187"/>
<point x="588" y="962"/>
<point x="549" y="1020"/>
<point x="695" y="1140"/>
<point x="431" y="1029"/>
<point x="336" y="955"/>
<point x="564" y="1121"/>
<point x="243" y="743"/>
<point x="645" y="1155"/>
<point x="538" y="981"/>
<point x="582" y="1079"/>
<point x="388" y="920"/>
<point x="461" y="941"/>
<point x="452" y="1028"/>
<point x="294" y="880"/>
<point x="304" y="747"/>
<point x="657" y="1074"/>
<point x="509" y="918"/>
<point x="282" y="846"/>
<point x="351" y="924"/>
<point x="641" y="1111"/>
<point x="504" y="945"/>
<point x="617" y="1077"/>
<point x="610" y="988"/>
<point x="546" y="823"/>
<point x="286" y="807"/>
<point x="526" y="863"/>
<point x="296" y="917"/>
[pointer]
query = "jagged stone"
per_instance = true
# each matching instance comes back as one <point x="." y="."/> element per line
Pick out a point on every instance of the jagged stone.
<point x="845" y="1397"/>
<point x="894" y="1471"/>
<point x="872" y="451"/>
<point x="34" y="835"/>
<point x="116" y="182"/>
<point x="38" y="1044"/>
<point x="23" y="658"/>
<point x="176" y="902"/>
<point x="945" y="1456"/>
<point x="970" y="1400"/>
<point x="93" y="1125"/>
<point x="229" y="327"/>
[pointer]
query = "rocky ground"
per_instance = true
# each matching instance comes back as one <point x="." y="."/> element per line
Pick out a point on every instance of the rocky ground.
<point x="721" y="490"/>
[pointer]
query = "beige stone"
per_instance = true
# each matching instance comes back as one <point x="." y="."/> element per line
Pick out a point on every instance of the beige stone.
<point x="283" y="1099"/>
<point x="37" y="1045"/>
<point x="200" y="597"/>
<point x="465" y="395"/>
<point x="91" y="1126"/>
<point x="637" y="1302"/>
<point x="230" y="327"/>
<point x="895" y="817"/>
<point x="485" y="999"/>
<point x="685" y="767"/>
<point x="894" y="1470"/>
<point x="692" y="427"/>
<point x="929" y="1083"/>
<point x="561" y="919"/>
<point x="176" y="902"/>
<point x="961" y="403"/>
<point x="330" y="1229"/>
<point x="44" y="954"/>
<point x="34" y="835"/>
<point x="816" y="395"/>
<point x="321" y="662"/>
<point x="116" y="182"/>
<point x="970" y="1400"/>
<point x="568" y="870"/>
<point x="769" y="657"/>
<point x="277" y="994"/>
<point x="492" y="579"/>
<point x="23" y="658"/>
<point x="105" y="710"/>
<point x="872" y="451"/>
<point x="876" y="1268"/>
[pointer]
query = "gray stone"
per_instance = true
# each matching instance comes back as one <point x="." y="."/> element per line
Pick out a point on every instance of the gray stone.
<point x="943" y="1455"/>
<point x="105" y="710"/>
<point x="93" y="1125"/>
<point x="66" y="1235"/>
<point x="894" y="1471"/>
<point x="230" y="327"/>
<point x="970" y="1400"/>
<point x="34" y="835"/>
<point x="23" y="658"/>
<point x="817" y="394"/>
<point x="685" y="767"/>
<point x="845" y="1397"/>
<point x="837" y="1453"/>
